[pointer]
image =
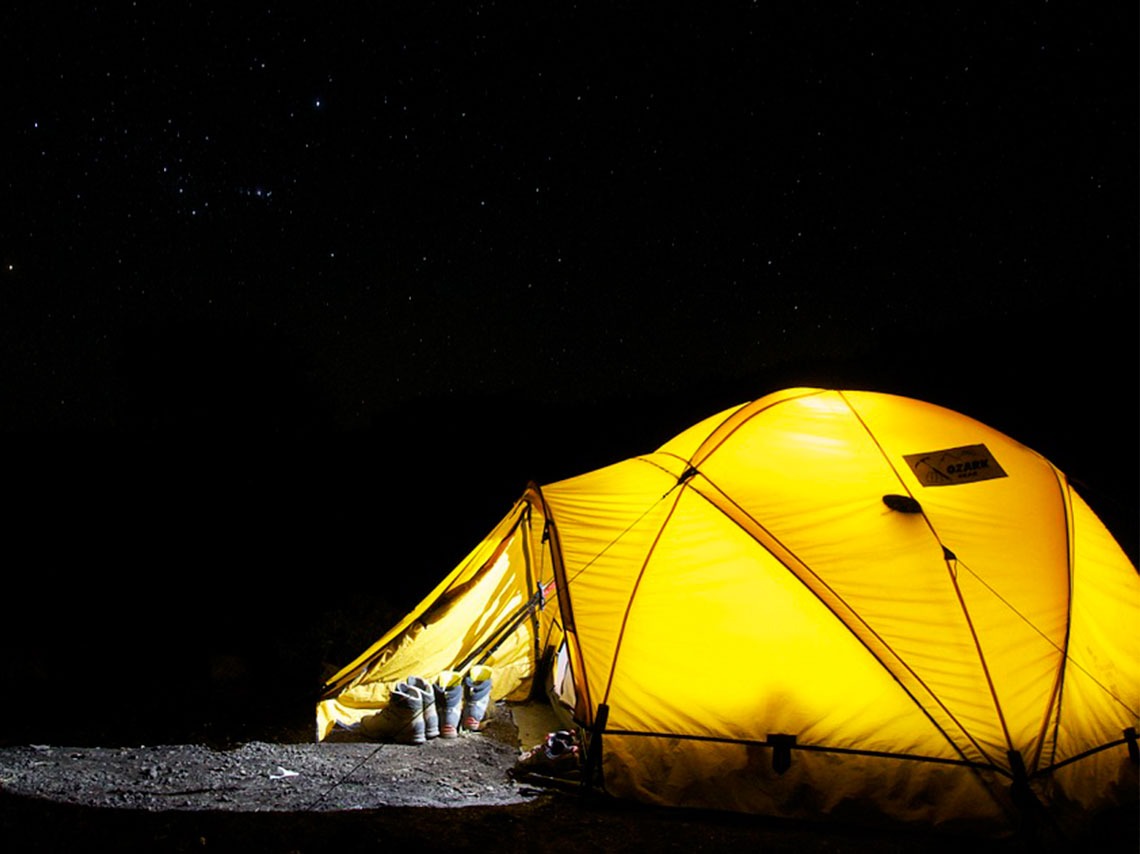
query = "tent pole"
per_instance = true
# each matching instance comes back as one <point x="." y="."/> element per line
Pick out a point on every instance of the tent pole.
<point x="593" y="766"/>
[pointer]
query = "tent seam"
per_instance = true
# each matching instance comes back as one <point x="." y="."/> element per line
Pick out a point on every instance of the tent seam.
<point x="855" y="634"/>
<point x="636" y="585"/>
<point x="817" y="748"/>
<point x="953" y="576"/>
<point x="744" y="420"/>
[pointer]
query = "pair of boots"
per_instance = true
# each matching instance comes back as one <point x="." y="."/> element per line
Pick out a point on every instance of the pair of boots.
<point x="417" y="710"/>
<point x="462" y="700"/>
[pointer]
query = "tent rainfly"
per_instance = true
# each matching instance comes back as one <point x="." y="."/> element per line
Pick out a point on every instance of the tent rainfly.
<point x="819" y="602"/>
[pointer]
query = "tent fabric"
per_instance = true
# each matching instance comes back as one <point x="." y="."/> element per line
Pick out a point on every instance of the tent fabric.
<point x="466" y="611"/>
<point x="909" y="608"/>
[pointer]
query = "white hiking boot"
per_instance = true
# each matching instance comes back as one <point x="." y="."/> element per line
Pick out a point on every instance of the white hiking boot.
<point x="402" y="721"/>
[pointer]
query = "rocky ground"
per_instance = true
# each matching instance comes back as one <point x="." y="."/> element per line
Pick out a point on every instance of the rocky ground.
<point x="345" y="773"/>
<point x="291" y="796"/>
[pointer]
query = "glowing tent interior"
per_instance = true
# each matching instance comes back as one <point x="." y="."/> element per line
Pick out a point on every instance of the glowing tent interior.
<point x="814" y="602"/>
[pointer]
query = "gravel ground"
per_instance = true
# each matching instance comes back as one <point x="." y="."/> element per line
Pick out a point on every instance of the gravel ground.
<point x="345" y="774"/>
<point x="456" y="795"/>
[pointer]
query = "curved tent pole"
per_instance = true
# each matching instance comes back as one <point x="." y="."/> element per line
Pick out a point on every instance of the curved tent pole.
<point x="584" y="711"/>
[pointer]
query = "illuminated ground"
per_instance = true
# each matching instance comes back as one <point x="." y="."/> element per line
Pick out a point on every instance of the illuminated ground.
<point x="297" y="796"/>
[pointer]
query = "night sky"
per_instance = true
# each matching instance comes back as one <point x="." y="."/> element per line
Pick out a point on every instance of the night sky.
<point x="293" y="304"/>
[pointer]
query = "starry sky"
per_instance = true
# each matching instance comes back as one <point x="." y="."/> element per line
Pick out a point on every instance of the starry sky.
<point x="273" y="268"/>
<point x="379" y="206"/>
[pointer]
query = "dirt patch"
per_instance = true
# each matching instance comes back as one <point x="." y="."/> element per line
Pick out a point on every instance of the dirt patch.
<point x="344" y="773"/>
<point x="270" y="796"/>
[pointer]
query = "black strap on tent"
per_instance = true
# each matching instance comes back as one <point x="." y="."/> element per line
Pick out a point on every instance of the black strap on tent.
<point x="1019" y="791"/>
<point x="594" y="748"/>
<point x="1133" y="750"/>
<point x="1035" y="819"/>
<point x="781" y="744"/>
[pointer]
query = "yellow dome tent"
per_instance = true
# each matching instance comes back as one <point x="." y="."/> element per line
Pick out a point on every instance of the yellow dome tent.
<point x="815" y="603"/>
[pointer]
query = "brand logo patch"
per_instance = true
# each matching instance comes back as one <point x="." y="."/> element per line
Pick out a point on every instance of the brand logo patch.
<point x="953" y="466"/>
